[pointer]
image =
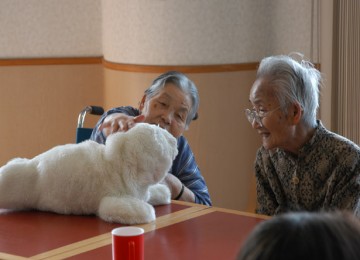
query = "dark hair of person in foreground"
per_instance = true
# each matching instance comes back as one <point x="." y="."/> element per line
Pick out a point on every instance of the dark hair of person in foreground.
<point x="305" y="236"/>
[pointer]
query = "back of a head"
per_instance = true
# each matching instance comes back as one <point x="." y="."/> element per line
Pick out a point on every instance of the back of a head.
<point x="304" y="235"/>
<point x="293" y="81"/>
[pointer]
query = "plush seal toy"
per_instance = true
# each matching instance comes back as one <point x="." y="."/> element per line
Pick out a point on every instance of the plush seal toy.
<point x="118" y="181"/>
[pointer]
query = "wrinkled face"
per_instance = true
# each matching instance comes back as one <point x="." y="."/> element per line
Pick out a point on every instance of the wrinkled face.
<point x="168" y="109"/>
<point x="276" y="130"/>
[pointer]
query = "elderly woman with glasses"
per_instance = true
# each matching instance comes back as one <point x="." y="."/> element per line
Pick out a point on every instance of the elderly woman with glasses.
<point x="171" y="102"/>
<point x="301" y="165"/>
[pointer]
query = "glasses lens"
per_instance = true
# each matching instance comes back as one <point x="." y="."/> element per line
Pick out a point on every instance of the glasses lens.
<point x="250" y="115"/>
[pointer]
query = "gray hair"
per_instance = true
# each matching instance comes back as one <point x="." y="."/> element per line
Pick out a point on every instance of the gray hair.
<point x="293" y="81"/>
<point x="183" y="83"/>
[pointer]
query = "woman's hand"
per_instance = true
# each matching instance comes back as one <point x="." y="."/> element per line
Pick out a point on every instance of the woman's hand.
<point x="175" y="185"/>
<point x="119" y="122"/>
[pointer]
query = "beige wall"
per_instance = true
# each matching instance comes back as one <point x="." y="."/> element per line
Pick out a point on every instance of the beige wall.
<point x="50" y="28"/>
<point x="205" y="32"/>
<point x="223" y="140"/>
<point x="39" y="105"/>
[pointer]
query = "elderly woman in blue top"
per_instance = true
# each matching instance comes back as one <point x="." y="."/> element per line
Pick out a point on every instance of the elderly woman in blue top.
<point x="301" y="165"/>
<point x="171" y="102"/>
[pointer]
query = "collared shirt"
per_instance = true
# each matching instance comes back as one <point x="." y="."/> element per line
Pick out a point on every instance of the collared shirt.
<point x="325" y="175"/>
<point x="184" y="166"/>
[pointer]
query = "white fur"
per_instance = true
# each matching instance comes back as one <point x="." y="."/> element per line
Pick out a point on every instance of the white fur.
<point x="118" y="181"/>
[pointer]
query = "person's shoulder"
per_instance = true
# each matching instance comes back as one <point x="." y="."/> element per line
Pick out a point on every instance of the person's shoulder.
<point x="339" y="144"/>
<point x="183" y="145"/>
<point x="339" y="140"/>
<point x="182" y="141"/>
<point x="129" y="110"/>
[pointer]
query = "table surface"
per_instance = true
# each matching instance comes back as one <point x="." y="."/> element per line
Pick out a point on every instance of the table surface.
<point x="182" y="230"/>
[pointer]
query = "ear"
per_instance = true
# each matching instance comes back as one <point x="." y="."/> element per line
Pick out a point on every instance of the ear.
<point x="296" y="113"/>
<point x="142" y="103"/>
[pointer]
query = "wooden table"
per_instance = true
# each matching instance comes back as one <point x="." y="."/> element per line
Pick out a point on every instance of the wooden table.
<point x="181" y="231"/>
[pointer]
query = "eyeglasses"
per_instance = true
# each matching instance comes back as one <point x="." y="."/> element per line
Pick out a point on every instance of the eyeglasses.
<point x="252" y="115"/>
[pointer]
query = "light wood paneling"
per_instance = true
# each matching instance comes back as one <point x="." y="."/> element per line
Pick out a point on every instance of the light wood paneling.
<point x="40" y="105"/>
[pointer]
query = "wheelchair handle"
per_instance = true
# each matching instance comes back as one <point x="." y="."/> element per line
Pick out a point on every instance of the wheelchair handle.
<point x="93" y="110"/>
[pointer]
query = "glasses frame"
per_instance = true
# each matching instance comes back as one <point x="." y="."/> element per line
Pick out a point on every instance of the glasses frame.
<point x="252" y="114"/>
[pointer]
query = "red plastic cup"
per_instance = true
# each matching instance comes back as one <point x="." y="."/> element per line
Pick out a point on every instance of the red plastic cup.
<point x="128" y="243"/>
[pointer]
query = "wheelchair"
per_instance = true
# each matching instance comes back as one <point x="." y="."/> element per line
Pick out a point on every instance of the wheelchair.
<point x="84" y="133"/>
